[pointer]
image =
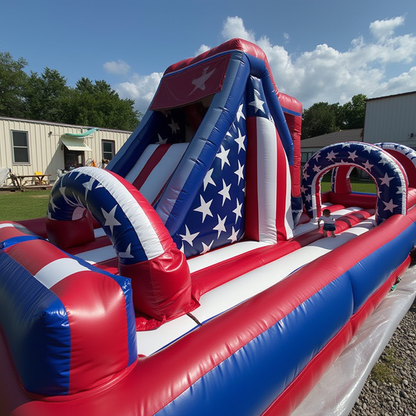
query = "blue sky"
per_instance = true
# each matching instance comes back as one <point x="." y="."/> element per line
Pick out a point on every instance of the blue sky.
<point x="319" y="50"/>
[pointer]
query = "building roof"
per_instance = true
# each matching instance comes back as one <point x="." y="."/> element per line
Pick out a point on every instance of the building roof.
<point x="391" y="96"/>
<point x="52" y="123"/>
<point x="331" y="138"/>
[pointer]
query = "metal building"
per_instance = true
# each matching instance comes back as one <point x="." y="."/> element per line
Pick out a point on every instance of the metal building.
<point x="391" y="119"/>
<point x="28" y="146"/>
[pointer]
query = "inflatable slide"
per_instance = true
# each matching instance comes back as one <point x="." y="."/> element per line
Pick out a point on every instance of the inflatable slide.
<point x="189" y="277"/>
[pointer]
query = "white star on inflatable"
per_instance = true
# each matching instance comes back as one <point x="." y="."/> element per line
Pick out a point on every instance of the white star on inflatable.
<point x="223" y="155"/>
<point x="62" y="190"/>
<point x="160" y="140"/>
<point x="239" y="172"/>
<point x="331" y="156"/>
<point x="225" y="192"/>
<point x="367" y="165"/>
<point x="110" y="219"/>
<point x="305" y="175"/>
<point x="126" y="254"/>
<point x="200" y="82"/>
<point x="206" y="248"/>
<point x="52" y="204"/>
<point x="78" y="174"/>
<point x="389" y="205"/>
<point x="174" y="127"/>
<point x="385" y="180"/>
<point x="257" y="103"/>
<point x="384" y="160"/>
<point x="308" y="198"/>
<point x="399" y="190"/>
<point x="188" y="237"/>
<point x="317" y="156"/>
<point x="208" y="179"/>
<point x="240" y="141"/>
<point x="240" y="113"/>
<point x="352" y="155"/>
<point x="237" y="210"/>
<point x="316" y="168"/>
<point x="233" y="236"/>
<point x="88" y="186"/>
<point x="204" y="208"/>
<point x="346" y="144"/>
<point x="220" y="227"/>
<point x="368" y="149"/>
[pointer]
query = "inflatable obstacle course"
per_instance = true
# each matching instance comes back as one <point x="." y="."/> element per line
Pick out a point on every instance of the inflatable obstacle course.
<point x="189" y="277"/>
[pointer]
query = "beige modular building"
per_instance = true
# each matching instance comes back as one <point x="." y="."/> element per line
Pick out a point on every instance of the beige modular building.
<point x="29" y="146"/>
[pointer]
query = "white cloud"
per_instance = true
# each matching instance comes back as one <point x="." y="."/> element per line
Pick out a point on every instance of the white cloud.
<point x="141" y="89"/>
<point x="381" y="29"/>
<point x="322" y="74"/>
<point x="234" y="28"/>
<point x="326" y="74"/>
<point x="202" y="49"/>
<point x="118" y="68"/>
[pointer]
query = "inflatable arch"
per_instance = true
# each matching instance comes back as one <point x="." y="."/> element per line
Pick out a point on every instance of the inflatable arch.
<point x="387" y="173"/>
<point x="146" y="252"/>
<point x="405" y="155"/>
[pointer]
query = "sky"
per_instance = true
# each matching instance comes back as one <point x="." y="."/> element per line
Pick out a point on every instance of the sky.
<point x="319" y="50"/>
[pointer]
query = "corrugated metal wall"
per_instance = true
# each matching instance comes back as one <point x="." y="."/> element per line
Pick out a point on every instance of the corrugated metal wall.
<point x="391" y="119"/>
<point x="46" y="152"/>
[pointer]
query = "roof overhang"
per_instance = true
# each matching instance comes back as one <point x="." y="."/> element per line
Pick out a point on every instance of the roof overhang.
<point x="73" y="143"/>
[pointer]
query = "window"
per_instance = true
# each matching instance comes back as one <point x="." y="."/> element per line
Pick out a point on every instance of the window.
<point x="20" y="147"/>
<point x="108" y="149"/>
<point x="305" y="156"/>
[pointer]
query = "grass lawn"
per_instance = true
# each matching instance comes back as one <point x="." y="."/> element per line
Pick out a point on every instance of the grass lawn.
<point x="15" y="206"/>
<point x="365" y="186"/>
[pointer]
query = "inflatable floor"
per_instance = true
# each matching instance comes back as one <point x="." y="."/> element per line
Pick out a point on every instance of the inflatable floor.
<point x="190" y="277"/>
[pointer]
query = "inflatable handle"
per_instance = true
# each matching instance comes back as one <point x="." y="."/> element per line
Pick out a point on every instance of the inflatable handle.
<point x="146" y="252"/>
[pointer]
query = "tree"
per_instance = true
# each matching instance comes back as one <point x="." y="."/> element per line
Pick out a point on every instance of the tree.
<point x="320" y="118"/>
<point x="352" y="114"/>
<point x="44" y="95"/>
<point x="12" y="86"/>
<point x="96" y="104"/>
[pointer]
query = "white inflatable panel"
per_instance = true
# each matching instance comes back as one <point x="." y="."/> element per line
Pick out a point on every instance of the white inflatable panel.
<point x="244" y="287"/>
<point x="148" y="342"/>
<point x="98" y="255"/>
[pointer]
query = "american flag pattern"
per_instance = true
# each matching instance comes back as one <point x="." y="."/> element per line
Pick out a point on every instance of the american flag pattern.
<point x="128" y="219"/>
<point x="388" y="175"/>
<point x="237" y="161"/>
<point x="216" y="216"/>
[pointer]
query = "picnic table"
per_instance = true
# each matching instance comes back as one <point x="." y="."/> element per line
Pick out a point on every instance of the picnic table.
<point x="21" y="181"/>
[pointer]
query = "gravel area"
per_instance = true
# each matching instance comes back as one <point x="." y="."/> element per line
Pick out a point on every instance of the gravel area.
<point x="390" y="389"/>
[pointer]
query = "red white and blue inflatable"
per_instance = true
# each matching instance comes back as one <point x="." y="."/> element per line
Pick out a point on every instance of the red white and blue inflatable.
<point x="189" y="277"/>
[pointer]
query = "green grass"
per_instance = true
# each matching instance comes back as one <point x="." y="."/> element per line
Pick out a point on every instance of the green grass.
<point x="366" y="186"/>
<point x="383" y="370"/>
<point x="15" y="206"/>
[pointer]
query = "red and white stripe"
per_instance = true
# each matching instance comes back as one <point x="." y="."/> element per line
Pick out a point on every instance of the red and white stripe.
<point x="154" y="168"/>
<point x="268" y="209"/>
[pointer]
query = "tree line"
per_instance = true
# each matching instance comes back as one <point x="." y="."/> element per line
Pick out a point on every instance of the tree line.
<point x="322" y="118"/>
<point x="47" y="97"/>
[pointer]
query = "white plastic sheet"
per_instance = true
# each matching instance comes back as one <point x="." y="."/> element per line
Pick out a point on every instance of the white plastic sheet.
<point x="340" y="387"/>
